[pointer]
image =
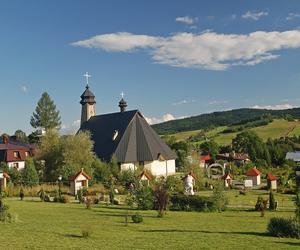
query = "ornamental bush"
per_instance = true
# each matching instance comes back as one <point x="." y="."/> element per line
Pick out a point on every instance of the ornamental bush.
<point x="137" y="218"/>
<point x="181" y="202"/>
<point x="282" y="227"/>
<point x="144" y="198"/>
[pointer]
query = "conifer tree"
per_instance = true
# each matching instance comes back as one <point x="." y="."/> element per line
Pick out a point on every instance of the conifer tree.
<point x="46" y="115"/>
<point x="29" y="174"/>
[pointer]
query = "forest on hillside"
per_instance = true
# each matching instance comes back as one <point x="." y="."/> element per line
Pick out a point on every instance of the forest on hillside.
<point x="224" y="118"/>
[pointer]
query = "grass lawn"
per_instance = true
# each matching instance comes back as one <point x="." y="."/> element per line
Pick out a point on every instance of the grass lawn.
<point x="58" y="226"/>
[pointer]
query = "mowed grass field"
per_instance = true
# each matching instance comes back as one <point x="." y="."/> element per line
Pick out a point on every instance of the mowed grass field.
<point x="58" y="226"/>
<point x="276" y="129"/>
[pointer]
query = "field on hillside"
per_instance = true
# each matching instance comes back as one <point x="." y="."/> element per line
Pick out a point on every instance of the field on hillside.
<point x="58" y="226"/>
<point x="276" y="129"/>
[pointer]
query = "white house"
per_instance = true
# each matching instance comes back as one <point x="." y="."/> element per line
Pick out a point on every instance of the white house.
<point x="79" y="181"/>
<point x="127" y="136"/>
<point x="255" y="175"/>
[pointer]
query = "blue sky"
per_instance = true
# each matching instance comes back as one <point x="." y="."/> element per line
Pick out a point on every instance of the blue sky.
<point x="171" y="58"/>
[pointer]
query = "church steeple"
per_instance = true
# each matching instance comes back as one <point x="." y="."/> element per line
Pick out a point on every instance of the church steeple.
<point x="88" y="102"/>
<point x="122" y="104"/>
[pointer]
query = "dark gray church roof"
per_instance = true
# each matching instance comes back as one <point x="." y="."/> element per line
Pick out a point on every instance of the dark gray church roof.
<point x="128" y="136"/>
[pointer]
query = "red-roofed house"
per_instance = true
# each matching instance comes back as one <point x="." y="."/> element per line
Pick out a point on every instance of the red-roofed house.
<point x="204" y="159"/>
<point x="14" y="153"/>
<point x="79" y="181"/>
<point x="227" y="178"/>
<point x="254" y="174"/>
<point x="272" y="181"/>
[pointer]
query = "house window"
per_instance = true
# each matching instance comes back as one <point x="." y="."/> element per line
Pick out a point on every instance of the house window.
<point x="26" y="153"/>
<point x="16" y="154"/>
<point x="16" y="165"/>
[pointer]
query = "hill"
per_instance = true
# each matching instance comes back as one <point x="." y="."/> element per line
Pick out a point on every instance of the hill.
<point x="275" y="129"/>
<point x="224" y="118"/>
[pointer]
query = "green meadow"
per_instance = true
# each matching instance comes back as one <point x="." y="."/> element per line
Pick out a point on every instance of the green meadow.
<point x="42" y="225"/>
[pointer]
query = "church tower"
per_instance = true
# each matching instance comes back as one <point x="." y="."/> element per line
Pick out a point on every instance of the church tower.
<point x="88" y="103"/>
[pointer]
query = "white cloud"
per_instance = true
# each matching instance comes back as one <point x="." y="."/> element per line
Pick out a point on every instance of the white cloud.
<point x="186" y="19"/>
<point x="164" y="118"/>
<point x="24" y="89"/>
<point x="274" y="107"/>
<point x="217" y="102"/>
<point x="254" y="15"/>
<point x="292" y="16"/>
<point x="183" y="102"/>
<point x="70" y="128"/>
<point x="206" y="50"/>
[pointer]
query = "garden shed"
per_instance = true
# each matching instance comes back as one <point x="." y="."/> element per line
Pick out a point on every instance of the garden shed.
<point x="227" y="178"/>
<point x="272" y="181"/>
<point x="79" y="181"/>
<point x="254" y="175"/>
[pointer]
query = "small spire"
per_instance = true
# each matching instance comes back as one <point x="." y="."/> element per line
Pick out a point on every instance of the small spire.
<point x="122" y="103"/>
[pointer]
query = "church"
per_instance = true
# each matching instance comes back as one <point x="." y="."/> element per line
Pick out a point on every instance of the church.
<point x="128" y="136"/>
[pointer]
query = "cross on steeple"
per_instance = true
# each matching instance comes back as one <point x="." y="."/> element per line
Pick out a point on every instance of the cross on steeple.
<point x="87" y="76"/>
<point x="122" y="94"/>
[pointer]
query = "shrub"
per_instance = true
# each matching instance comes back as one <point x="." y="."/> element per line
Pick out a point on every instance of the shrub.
<point x="5" y="216"/>
<point x="29" y="174"/>
<point x="21" y="193"/>
<point x="272" y="202"/>
<point x="282" y="227"/>
<point x="161" y="195"/>
<point x="219" y="199"/>
<point x="86" y="231"/>
<point x="80" y="196"/>
<point x="144" y="198"/>
<point x="65" y="199"/>
<point x="42" y="194"/>
<point x="180" y="202"/>
<point x="88" y="203"/>
<point x="137" y="218"/>
<point x="259" y="204"/>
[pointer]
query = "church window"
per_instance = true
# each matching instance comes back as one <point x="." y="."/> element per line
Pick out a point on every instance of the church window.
<point x="115" y="135"/>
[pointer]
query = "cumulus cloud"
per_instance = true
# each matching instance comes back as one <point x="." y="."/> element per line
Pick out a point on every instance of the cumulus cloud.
<point x="206" y="50"/>
<point x="254" y="15"/>
<point x="186" y="19"/>
<point x="292" y="16"/>
<point x="274" y="107"/>
<point x="165" y="118"/>
<point x="183" y="102"/>
<point x="70" y="128"/>
<point x="24" y="89"/>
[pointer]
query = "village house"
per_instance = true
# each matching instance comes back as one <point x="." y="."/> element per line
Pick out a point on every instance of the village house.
<point x="204" y="161"/>
<point x="238" y="158"/>
<point x="127" y="136"/>
<point x="272" y="181"/>
<point x="254" y="175"/>
<point x="14" y="153"/>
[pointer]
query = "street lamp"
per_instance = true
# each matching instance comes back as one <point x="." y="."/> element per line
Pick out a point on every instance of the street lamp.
<point x="59" y="185"/>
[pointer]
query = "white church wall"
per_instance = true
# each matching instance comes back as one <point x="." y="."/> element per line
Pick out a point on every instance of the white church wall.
<point x="161" y="168"/>
<point x="128" y="166"/>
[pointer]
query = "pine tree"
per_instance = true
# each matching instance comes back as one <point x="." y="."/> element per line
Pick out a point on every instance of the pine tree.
<point x="272" y="202"/>
<point x="29" y="174"/>
<point x="45" y="116"/>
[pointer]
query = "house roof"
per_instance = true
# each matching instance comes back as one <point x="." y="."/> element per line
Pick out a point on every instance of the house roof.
<point x="205" y="158"/>
<point x="146" y="174"/>
<point x="253" y="172"/>
<point x="271" y="177"/>
<point x="224" y="177"/>
<point x="7" y="150"/>
<point x="294" y="156"/>
<point x="74" y="177"/>
<point x="128" y="136"/>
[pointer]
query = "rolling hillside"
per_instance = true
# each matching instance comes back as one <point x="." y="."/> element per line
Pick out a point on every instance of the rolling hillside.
<point x="225" y="118"/>
<point x="276" y="129"/>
